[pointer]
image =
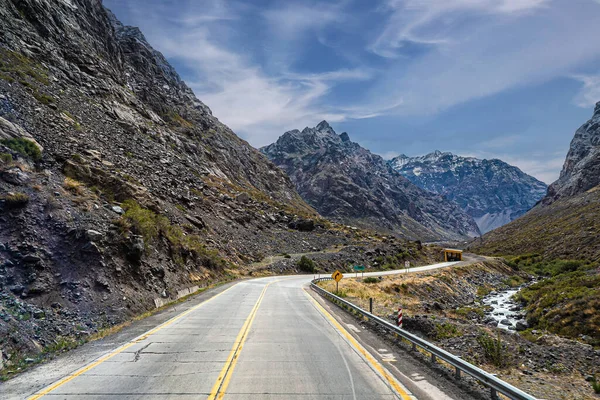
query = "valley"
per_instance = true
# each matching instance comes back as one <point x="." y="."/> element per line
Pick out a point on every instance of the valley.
<point x="147" y="250"/>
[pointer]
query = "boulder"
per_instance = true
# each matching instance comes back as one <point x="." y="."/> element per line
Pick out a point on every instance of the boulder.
<point x="243" y="197"/>
<point x="15" y="176"/>
<point x="505" y="322"/>
<point x="303" y="225"/>
<point x="9" y="130"/>
<point x="522" y="325"/>
<point x="93" y="235"/>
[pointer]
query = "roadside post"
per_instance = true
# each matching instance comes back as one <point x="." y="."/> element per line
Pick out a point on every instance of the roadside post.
<point x="337" y="277"/>
<point x="400" y="317"/>
<point x="407" y="265"/>
<point x="371" y="305"/>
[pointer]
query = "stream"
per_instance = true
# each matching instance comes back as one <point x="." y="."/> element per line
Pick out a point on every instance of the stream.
<point x="506" y="312"/>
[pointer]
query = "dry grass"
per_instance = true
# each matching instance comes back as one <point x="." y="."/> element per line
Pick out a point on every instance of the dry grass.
<point x="74" y="186"/>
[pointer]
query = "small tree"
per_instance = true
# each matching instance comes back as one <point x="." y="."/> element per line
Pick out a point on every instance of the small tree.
<point x="306" y="264"/>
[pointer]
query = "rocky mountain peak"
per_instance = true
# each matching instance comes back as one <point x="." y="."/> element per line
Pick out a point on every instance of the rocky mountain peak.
<point x="347" y="182"/>
<point x="581" y="170"/>
<point x="324" y="127"/>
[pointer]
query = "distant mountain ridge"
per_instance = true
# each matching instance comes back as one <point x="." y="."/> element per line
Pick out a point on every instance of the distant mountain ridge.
<point x="344" y="181"/>
<point x="491" y="191"/>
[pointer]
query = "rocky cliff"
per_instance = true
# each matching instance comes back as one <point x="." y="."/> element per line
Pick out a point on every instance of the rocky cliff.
<point x="346" y="182"/>
<point x="491" y="191"/>
<point x="581" y="171"/>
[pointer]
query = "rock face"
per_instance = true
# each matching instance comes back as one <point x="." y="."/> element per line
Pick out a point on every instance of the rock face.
<point x="581" y="171"/>
<point x="344" y="181"/>
<point x="491" y="191"/>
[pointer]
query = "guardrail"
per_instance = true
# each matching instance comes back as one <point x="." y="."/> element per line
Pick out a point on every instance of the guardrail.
<point x="495" y="384"/>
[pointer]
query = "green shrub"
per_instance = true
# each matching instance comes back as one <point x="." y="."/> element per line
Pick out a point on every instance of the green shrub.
<point x="6" y="158"/>
<point x="15" y="200"/>
<point x="305" y="264"/>
<point x="371" y="279"/>
<point x="446" y="331"/>
<point x="152" y="226"/>
<point x="595" y="385"/>
<point x="24" y="147"/>
<point x="493" y="351"/>
<point x="43" y="98"/>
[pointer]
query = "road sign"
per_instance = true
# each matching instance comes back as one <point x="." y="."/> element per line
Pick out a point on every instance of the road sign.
<point x="359" y="267"/>
<point x="337" y="276"/>
<point x="407" y="264"/>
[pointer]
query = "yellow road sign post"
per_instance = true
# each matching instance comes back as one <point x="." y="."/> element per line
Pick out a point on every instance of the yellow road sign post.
<point x="337" y="277"/>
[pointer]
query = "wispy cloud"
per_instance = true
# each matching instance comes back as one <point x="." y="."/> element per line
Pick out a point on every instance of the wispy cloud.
<point x="589" y="94"/>
<point x="484" y="56"/>
<point x="433" y="22"/>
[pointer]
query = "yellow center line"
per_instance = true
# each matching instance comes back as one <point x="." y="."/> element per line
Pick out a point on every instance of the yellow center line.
<point x="383" y="373"/>
<point x="88" y="367"/>
<point x="220" y="386"/>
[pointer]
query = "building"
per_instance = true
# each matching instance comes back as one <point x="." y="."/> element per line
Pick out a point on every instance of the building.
<point x="452" y="255"/>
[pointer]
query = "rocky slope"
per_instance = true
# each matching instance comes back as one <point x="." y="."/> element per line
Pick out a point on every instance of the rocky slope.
<point x="344" y="181"/>
<point x="581" y="171"/>
<point x="117" y="185"/>
<point x="491" y="191"/>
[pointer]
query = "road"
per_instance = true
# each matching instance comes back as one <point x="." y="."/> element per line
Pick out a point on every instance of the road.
<point x="264" y="338"/>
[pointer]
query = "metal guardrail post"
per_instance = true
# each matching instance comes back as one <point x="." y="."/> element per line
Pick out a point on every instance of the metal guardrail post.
<point x="495" y="384"/>
<point x="494" y="394"/>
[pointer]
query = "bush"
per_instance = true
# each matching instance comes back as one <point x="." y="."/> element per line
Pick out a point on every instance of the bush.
<point x="15" y="200"/>
<point x="151" y="226"/>
<point x="371" y="279"/>
<point x="306" y="264"/>
<point x="446" y="331"/>
<point x="595" y="385"/>
<point x="493" y="351"/>
<point x="24" y="147"/>
<point x="6" y="158"/>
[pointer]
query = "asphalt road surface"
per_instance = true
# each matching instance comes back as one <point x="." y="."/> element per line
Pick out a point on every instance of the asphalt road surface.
<point x="264" y="338"/>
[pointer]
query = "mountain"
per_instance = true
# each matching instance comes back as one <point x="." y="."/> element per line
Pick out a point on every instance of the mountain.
<point x="346" y="182"/>
<point x="581" y="171"/>
<point x="491" y="191"/>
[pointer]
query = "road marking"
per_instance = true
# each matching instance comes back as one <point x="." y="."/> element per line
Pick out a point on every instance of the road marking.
<point x="123" y="348"/>
<point x="220" y="386"/>
<point x="383" y="373"/>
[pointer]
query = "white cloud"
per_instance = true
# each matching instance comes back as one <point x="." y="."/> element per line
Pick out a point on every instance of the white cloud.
<point x="432" y="22"/>
<point x="590" y="92"/>
<point x="485" y="56"/>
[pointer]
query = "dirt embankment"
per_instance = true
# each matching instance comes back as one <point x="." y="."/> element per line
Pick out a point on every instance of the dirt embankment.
<point x="445" y="306"/>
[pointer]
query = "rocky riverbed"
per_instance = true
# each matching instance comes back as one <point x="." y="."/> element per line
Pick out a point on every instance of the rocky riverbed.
<point x="503" y="312"/>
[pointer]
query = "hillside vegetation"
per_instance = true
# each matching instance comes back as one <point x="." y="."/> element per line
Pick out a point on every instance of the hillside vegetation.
<point x="558" y="243"/>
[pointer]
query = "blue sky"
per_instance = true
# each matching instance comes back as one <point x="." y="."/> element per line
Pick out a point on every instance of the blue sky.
<point x="508" y="79"/>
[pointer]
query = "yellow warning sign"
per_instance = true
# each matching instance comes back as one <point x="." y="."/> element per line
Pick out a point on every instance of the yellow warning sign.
<point x="337" y="276"/>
